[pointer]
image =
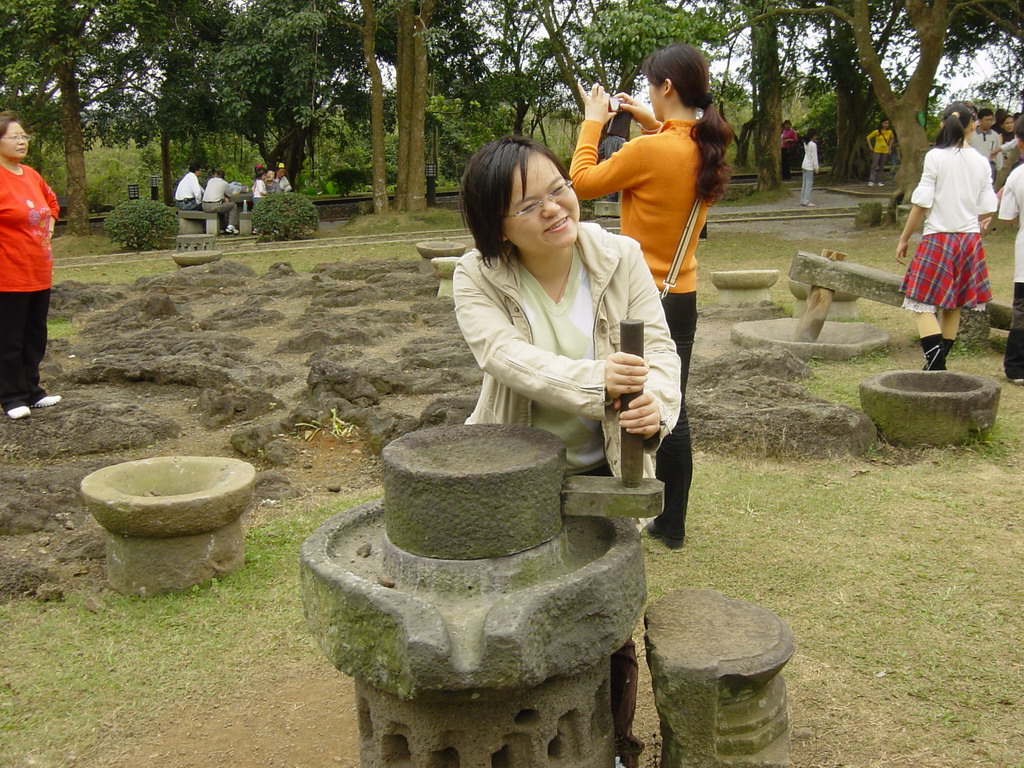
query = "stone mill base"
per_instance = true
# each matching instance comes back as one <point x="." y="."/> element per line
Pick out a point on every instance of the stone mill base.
<point x="564" y="722"/>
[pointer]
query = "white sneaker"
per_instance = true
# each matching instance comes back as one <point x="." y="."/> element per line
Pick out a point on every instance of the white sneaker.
<point x="871" y="183"/>
<point x="19" y="412"/>
<point x="231" y="230"/>
<point x="47" y="401"/>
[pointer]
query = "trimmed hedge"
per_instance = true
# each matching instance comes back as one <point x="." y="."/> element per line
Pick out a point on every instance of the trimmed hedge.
<point x="141" y="225"/>
<point x="285" y="216"/>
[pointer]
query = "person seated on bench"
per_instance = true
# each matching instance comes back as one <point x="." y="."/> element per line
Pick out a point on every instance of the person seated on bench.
<point x="189" y="194"/>
<point x="216" y="200"/>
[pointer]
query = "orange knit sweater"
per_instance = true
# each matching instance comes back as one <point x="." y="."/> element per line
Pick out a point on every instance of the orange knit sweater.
<point x="657" y="175"/>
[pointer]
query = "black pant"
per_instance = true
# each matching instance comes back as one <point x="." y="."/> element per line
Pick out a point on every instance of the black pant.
<point x="1013" y="358"/>
<point x="22" y="346"/>
<point x="786" y="164"/>
<point x="674" y="461"/>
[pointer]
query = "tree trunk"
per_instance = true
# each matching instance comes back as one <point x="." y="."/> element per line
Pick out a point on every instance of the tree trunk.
<point x="380" y="181"/>
<point x="166" y="181"/>
<point x="851" y="162"/>
<point x="767" y="104"/>
<point x="403" y="100"/>
<point x="743" y="144"/>
<point x="74" y="149"/>
<point x="411" y="74"/>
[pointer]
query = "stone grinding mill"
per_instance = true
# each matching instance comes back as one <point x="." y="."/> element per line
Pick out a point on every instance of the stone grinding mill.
<point x="477" y="604"/>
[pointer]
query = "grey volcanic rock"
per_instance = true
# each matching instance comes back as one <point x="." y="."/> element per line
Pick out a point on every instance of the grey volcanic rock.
<point x="447" y="410"/>
<point x="742" y="402"/>
<point x="20" y="578"/>
<point x="80" y="427"/>
<point x="364" y="270"/>
<point x="41" y="498"/>
<point x="239" y="318"/>
<point x="71" y="297"/>
<point x="201" y="280"/>
<point x="771" y="362"/>
<point x="328" y="381"/>
<point x="209" y="359"/>
<point x="234" y="403"/>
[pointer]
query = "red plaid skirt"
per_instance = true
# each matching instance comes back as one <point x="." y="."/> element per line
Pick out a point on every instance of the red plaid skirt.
<point x="948" y="271"/>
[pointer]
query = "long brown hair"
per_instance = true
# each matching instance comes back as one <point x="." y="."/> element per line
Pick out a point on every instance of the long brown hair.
<point x="686" y="67"/>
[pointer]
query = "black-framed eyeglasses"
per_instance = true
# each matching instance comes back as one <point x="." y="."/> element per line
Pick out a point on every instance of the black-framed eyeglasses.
<point x="537" y="205"/>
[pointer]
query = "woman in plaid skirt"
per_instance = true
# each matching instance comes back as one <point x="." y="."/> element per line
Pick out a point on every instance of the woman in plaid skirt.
<point x="955" y="201"/>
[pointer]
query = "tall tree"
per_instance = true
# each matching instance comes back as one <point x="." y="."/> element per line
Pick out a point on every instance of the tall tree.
<point x="411" y="76"/>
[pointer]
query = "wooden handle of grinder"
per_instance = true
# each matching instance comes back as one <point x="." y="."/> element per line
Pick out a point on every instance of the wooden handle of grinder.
<point x="631" y="337"/>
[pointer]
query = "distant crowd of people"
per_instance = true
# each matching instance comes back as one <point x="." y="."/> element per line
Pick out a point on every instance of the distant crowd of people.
<point x="221" y="196"/>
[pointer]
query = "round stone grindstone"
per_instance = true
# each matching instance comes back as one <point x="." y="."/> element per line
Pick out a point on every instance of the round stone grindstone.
<point x="929" y="407"/>
<point x="472" y="491"/>
<point x="837" y="341"/>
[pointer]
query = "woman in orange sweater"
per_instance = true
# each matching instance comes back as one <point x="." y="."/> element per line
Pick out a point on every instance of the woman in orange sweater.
<point x="678" y="164"/>
<point x="28" y="210"/>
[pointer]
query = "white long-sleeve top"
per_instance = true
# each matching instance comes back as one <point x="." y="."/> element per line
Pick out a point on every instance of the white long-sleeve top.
<point x="956" y="188"/>
<point x="810" y="162"/>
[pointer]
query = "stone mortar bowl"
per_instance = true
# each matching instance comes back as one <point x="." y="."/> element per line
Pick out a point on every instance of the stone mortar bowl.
<point x="837" y="341"/>
<point x="195" y="258"/>
<point x="169" y="496"/>
<point x="929" y="407"/>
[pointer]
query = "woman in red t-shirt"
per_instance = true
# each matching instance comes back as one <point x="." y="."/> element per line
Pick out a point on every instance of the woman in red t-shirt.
<point x="28" y="210"/>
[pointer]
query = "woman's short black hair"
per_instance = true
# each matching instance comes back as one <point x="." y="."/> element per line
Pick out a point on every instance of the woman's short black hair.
<point x="6" y="118"/>
<point x="487" y="190"/>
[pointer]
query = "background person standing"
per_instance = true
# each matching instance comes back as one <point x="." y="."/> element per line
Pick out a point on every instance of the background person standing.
<point x="28" y="210"/>
<point x="880" y="142"/>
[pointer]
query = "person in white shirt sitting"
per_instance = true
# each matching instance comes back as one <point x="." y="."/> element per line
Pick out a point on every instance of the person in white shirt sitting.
<point x="216" y="200"/>
<point x="283" y="185"/>
<point x="189" y="194"/>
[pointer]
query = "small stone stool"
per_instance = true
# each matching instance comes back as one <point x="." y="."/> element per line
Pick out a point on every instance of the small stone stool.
<point x="843" y="306"/>
<point x="190" y="243"/>
<point x="714" y="665"/>
<point x="437" y="249"/>
<point x="744" y="286"/>
<point x="171" y="522"/>
<point x="444" y="268"/>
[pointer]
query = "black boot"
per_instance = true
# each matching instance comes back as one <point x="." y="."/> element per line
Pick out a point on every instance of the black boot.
<point x="947" y="344"/>
<point x="934" y="349"/>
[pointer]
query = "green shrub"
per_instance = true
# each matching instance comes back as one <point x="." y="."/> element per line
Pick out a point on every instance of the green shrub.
<point x="285" y="216"/>
<point x="141" y="224"/>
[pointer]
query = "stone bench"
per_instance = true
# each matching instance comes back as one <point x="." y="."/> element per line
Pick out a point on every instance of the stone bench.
<point x="245" y="223"/>
<point x="197" y="223"/>
<point x="715" y="666"/>
<point x="194" y="258"/>
<point x="171" y="522"/>
<point x="744" y="286"/>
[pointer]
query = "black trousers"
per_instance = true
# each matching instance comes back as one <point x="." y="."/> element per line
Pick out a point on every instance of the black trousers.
<point x="674" y="461"/>
<point x="1013" y="358"/>
<point x="22" y="346"/>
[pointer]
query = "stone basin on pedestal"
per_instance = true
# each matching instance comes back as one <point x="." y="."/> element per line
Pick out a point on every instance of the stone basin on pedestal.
<point x="437" y="249"/>
<point x="929" y="407"/>
<point x="171" y="522"/>
<point x="477" y="623"/>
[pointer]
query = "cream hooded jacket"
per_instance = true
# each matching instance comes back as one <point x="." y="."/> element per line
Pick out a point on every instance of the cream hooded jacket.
<point x="490" y="312"/>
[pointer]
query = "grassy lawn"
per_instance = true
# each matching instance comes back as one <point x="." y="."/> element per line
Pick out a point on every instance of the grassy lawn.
<point x="899" y="572"/>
